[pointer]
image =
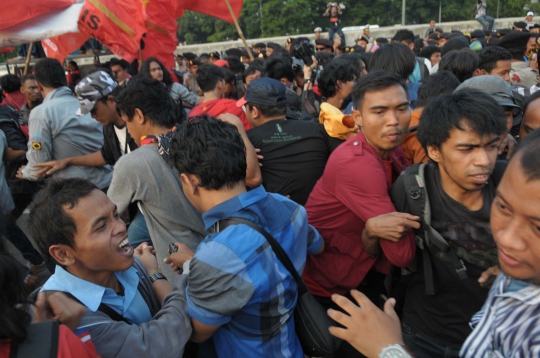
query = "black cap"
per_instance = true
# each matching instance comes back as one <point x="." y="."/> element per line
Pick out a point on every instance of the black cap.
<point x="233" y="52"/>
<point x="445" y="35"/>
<point x="265" y="92"/>
<point x="363" y="38"/>
<point x="434" y="36"/>
<point x="324" y="42"/>
<point x="260" y="44"/>
<point x="520" y="24"/>
<point x="204" y="55"/>
<point x="439" y="30"/>
<point x="273" y="45"/>
<point x="189" y="56"/>
<point x="381" y="40"/>
<point x="195" y="62"/>
<point x="216" y="55"/>
<point x="503" y="32"/>
<point x="457" y="43"/>
<point x="478" y="34"/>
<point x="457" y="32"/>
<point x="515" y="40"/>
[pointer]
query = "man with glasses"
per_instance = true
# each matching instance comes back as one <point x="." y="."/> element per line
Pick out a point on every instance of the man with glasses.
<point x="324" y="45"/>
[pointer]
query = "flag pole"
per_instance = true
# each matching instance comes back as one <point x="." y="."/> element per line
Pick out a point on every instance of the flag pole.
<point x="28" y="55"/>
<point x="239" y="30"/>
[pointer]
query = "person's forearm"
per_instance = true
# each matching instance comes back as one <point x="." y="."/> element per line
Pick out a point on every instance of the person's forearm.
<point x="370" y="244"/>
<point x="162" y="288"/>
<point x="14" y="154"/>
<point x="253" y="172"/>
<point x="89" y="160"/>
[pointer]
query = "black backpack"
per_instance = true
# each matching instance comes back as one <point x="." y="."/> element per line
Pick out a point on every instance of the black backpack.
<point x="10" y="124"/>
<point x="429" y="240"/>
<point x="42" y="341"/>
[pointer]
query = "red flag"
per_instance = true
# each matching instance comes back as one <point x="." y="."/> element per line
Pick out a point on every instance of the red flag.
<point x="117" y="24"/>
<point x="16" y="11"/>
<point x="60" y="46"/>
<point x="215" y="8"/>
<point x="160" y="40"/>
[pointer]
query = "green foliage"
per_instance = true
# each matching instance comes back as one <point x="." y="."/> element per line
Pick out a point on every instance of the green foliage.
<point x="268" y="18"/>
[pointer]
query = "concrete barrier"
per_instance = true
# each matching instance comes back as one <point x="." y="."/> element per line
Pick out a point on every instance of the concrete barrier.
<point x="350" y="34"/>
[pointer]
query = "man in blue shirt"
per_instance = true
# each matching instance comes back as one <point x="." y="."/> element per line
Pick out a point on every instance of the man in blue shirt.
<point x="239" y="293"/>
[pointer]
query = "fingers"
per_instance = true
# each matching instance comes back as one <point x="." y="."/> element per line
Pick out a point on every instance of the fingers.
<point x="338" y="332"/>
<point x="362" y="299"/>
<point x="389" y="309"/>
<point x="345" y="303"/>
<point x="41" y="307"/>
<point x="339" y="317"/>
<point x="412" y="223"/>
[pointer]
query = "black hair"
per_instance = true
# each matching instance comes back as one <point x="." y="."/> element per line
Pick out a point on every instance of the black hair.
<point x="418" y="46"/>
<point x="442" y="82"/>
<point x="270" y="111"/>
<point x="529" y="159"/>
<point x="74" y="64"/>
<point x="145" y="69"/>
<point x="489" y="57"/>
<point x="428" y="51"/>
<point x="324" y="58"/>
<point x="151" y="97"/>
<point x="116" y="62"/>
<point x="366" y="57"/>
<point x="337" y="70"/>
<point x="235" y="65"/>
<point x="258" y="65"/>
<point x="10" y="83"/>
<point x="228" y="76"/>
<point x="529" y="100"/>
<point x="356" y="59"/>
<point x="470" y="107"/>
<point x="50" y="73"/>
<point x="26" y="78"/>
<point x="48" y="222"/>
<point x="461" y="63"/>
<point x="405" y="36"/>
<point x="210" y="149"/>
<point x="208" y="76"/>
<point x="375" y="81"/>
<point x="395" y="57"/>
<point x="278" y="68"/>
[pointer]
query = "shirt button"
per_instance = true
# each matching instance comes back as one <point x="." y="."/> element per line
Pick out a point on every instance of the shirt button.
<point x="355" y="143"/>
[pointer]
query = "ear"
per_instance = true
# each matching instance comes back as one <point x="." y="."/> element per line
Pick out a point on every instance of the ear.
<point x="40" y="87"/>
<point x="111" y="99"/>
<point x="434" y="154"/>
<point x="480" y="72"/>
<point x="190" y="182"/>
<point x="357" y="117"/>
<point x="139" y="116"/>
<point x="411" y="46"/>
<point x="284" y="81"/>
<point x="339" y="84"/>
<point x="62" y="254"/>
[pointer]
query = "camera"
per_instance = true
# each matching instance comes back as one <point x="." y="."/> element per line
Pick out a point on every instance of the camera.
<point x="304" y="51"/>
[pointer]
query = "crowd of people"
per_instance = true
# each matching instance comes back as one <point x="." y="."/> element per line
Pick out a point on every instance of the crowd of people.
<point x="406" y="168"/>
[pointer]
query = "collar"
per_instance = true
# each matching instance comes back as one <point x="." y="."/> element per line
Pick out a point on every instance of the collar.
<point x="88" y="293"/>
<point x="528" y="295"/>
<point x="58" y="92"/>
<point x="232" y="206"/>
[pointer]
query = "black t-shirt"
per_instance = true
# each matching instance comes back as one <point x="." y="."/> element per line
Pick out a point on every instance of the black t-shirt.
<point x="446" y="315"/>
<point x="334" y="19"/>
<point x="295" y="154"/>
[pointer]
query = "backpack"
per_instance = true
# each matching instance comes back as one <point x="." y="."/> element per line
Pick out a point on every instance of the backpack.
<point x="42" y="341"/>
<point x="429" y="240"/>
<point x="10" y="120"/>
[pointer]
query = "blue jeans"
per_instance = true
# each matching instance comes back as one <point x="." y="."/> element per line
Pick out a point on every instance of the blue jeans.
<point x="426" y="347"/>
<point x="332" y="31"/>
<point x="138" y="231"/>
<point x="486" y="21"/>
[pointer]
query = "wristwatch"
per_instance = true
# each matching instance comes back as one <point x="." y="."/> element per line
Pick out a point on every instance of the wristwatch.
<point x="157" y="276"/>
<point x="395" y="351"/>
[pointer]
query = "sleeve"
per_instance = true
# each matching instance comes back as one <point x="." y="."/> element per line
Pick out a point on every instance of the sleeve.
<point x="107" y="151"/>
<point x="315" y="240"/>
<point x="123" y="186"/>
<point x="367" y="198"/>
<point x="219" y="285"/>
<point x="39" y="146"/>
<point x="71" y="345"/>
<point x="184" y="94"/>
<point x="168" y="331"/>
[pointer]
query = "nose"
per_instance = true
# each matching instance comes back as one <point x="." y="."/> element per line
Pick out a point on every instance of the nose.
<point x="509" y="235"/>
<point x="481" y="158"/>
<point x="119" y="227"/>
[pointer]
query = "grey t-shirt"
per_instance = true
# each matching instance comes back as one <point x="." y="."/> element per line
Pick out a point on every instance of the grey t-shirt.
<point x="143" y="176"/>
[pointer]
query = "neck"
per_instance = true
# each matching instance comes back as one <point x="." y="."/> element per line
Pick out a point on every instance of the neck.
<point x="155" y="131"/>
<point x="263" y="120"/>
<point x="119" y="122"/>
<point x="46" y="91"/>
<point x="335" y="101"/>
<point x="384" y="154"/>
<point x="210" y="96"/>
<point x="216" y="197"/>
<point x="471" y="199"/>
<point x="101" y="278"/>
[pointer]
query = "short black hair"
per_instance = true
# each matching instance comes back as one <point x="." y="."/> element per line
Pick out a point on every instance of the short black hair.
<point x="210" y="149"/>
<point x="405" y="36"/>
<point x="145" y="68"/>
<point x="208" y="76"/>
<point x="529" y="151"/>
<point x="10" y="83"/>
<point x="342" y="70"/>
<point x="355" y="58"/>
<point x="26" y="78"/>
<point x="117" y="62"/>
<point x="375" y="81"/>
<point x="442" y="82"/>
<point x="228" y="76"/>
<point x="474" y="108"/>
<point x="366" y="57"/>
<point x="270" y="111"/>
<point x="278" y="68"/>
<point x="48" y="222"/>
<point x="395" y="57"/>
<point x="151" y="97"/>
<point x="50" y="73"/>
<point x="74" y="64"/>
<point x="461" y="63"/>
<point x="235" y="65"/>
<point x="489" y="57"/>
<point x="257" y="65"/>
<point x="428" y="51"/>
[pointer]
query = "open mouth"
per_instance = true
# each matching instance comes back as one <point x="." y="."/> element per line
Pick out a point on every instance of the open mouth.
<point x="480" y="178"/>
<point x="124" y="247"/>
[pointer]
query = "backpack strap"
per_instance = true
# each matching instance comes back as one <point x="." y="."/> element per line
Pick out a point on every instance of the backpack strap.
<point x="42" y="341"/>
<point x="412" y="129"/>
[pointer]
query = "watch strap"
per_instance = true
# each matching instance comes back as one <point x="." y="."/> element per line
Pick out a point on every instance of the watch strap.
<point x="157" y="276"/>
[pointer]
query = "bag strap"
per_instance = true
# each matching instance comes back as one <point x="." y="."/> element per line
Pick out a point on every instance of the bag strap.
<point x="276" y="247"/>
<point x="42" y="341"/>
<point x="115" y="316"/>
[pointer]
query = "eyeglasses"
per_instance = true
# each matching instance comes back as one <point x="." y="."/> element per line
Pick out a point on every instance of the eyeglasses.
<point x="320" y="48"/>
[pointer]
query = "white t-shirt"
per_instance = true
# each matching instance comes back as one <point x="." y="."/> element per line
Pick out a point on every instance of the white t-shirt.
<point x="121" y="134"/>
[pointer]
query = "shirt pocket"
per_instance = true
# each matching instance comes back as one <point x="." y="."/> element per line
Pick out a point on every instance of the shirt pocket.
<point x="346" y="245"/>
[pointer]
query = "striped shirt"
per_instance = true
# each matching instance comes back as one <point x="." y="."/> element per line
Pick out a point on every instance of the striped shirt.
<point x="524" y="91"/>
<point x="508" y="325"/>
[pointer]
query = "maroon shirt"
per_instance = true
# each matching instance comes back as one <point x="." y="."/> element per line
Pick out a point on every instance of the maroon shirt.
<point x="14" y="99"/>
<point x="353" y="189"/>
<point x="216" y="107"/>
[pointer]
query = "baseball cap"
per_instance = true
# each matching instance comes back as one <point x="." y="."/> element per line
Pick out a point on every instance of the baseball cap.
<point x="265" y="92"/>
<point x="530" y="13"/>
<point x="496" y="87"/>
<point x="92" y="88"/>
<point x="317" y="29"/>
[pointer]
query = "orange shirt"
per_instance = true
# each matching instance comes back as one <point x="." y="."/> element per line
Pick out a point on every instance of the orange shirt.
<point x="411" y="146"/>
